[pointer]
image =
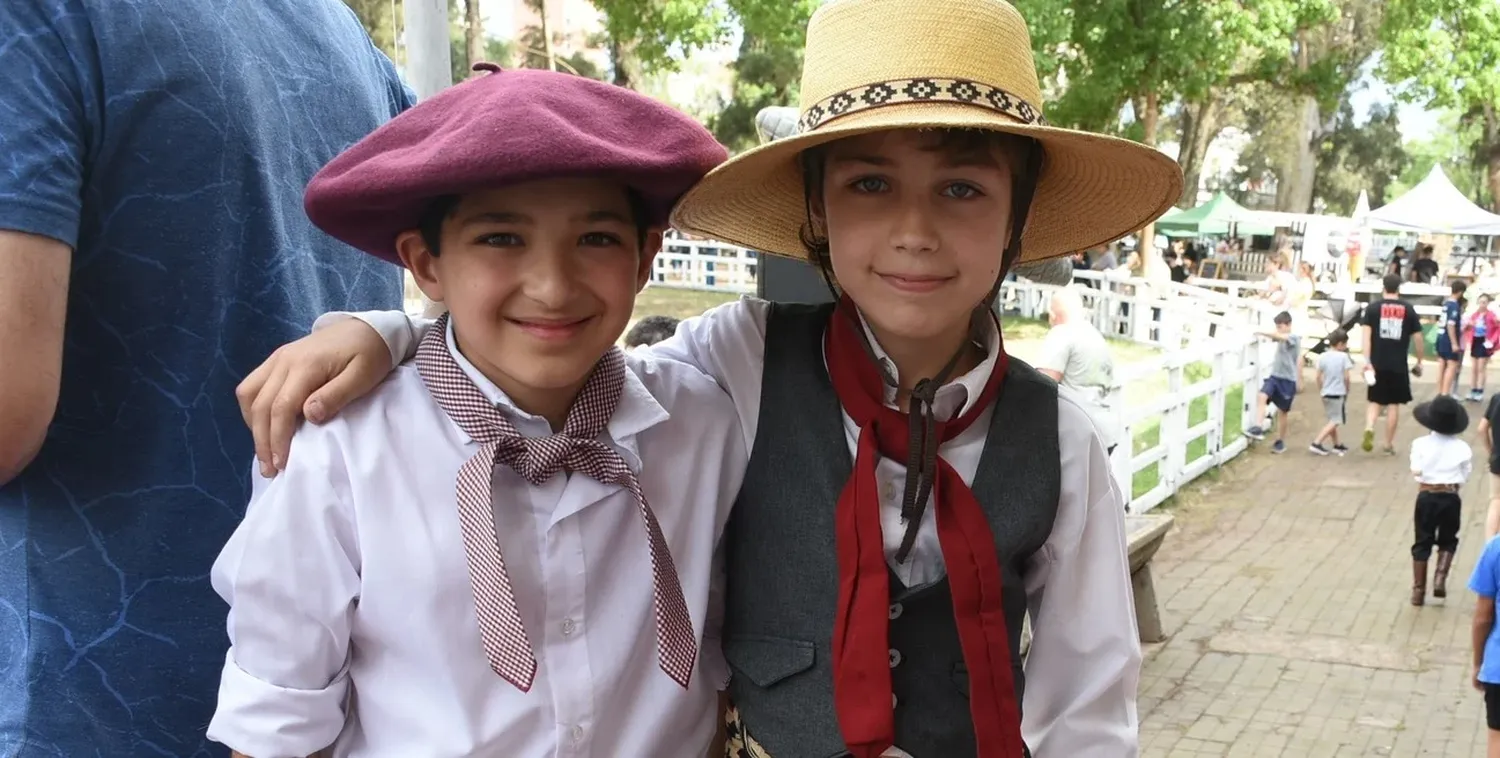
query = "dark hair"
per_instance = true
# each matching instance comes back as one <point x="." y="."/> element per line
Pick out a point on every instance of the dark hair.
<point x="1458" y="287"/>
<point x="650" y="330"/>
<point x="1398" y="249"/>
<point x="950" y="140"/>
<point x="1391" y="283"/>
<point x="430" y="224"/>
<point x="1283" y="318"/>
<point x="1338" y="337"/>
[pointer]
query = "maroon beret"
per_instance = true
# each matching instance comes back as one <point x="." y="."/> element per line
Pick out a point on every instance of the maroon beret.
<point x="503" y="128"/>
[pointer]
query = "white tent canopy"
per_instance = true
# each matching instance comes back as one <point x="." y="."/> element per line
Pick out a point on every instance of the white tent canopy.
<point x="1435" y="205"/>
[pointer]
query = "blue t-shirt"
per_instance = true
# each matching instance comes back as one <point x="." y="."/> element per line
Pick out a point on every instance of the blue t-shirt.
<point x="1485" y="582"/>
<point x="1452" y="314"/>
<point x="169" y="144"/>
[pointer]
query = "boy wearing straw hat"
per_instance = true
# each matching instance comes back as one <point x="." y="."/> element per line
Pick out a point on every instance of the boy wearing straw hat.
<point x="912" y="491"/>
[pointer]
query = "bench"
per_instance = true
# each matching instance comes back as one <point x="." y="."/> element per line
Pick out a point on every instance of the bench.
<point x="1143" y="535"/>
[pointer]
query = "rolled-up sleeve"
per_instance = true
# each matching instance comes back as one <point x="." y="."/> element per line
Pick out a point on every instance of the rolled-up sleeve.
<point x="291" y="577"/>
<point x="1084" y="666"/>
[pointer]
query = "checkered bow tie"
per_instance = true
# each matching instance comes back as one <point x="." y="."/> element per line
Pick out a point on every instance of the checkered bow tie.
<point x="537" y="459"/>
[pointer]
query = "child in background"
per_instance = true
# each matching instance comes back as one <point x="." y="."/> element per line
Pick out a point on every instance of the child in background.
<point x="1481" y="329"/>
<point x="1282" y="386"/>
<point x="1450" y="349"/>
<point x="1441" y="463"/>
<point x="1334" y="367"/>
<point x="650" y="330"/>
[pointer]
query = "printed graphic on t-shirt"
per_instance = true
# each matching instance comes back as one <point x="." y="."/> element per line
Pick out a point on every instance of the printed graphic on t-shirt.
<point x="1392" y="320"/>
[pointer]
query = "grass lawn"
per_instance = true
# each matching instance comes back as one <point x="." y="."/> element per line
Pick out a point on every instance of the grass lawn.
<point x="677" y="303"/>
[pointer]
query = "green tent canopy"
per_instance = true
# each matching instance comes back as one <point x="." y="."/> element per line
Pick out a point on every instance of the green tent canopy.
<point x="1211" y="218"/>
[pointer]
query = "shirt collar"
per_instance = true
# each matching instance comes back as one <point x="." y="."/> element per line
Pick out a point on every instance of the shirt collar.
<point x="638" y="409"/>
<point x="957" y="396"/>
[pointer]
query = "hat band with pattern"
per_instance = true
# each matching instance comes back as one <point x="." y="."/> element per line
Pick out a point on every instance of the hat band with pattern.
<point x="919" y="90"/>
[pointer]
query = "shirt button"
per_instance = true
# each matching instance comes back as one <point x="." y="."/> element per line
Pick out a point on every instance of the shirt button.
<point x="576" y="734"/>
<point x="895" y="657"/>
<point x="895" y="611"/>
<point x="568" y="627"/>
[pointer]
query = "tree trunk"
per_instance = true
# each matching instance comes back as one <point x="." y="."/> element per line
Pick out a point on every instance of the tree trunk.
<point x="1492" y="145"/>
<point x="1153" y="266"/>
<point x="1200" y="125"/>
<point x="622" y="59"/>
<point x="546" y="36"/>
<point x="473" y="32"/>
<point x="1294" y="191"/>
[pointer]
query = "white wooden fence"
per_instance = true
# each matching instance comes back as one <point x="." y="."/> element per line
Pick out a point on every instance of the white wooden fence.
<point x="1210" y="360"/>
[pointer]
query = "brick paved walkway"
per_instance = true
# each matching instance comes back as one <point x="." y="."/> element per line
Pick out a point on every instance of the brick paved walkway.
<point x="1286" y="595"/>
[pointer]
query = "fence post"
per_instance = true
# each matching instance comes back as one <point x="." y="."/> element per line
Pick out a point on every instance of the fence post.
<point x="1174" y="426"/>
<point x="1214" y="447"/>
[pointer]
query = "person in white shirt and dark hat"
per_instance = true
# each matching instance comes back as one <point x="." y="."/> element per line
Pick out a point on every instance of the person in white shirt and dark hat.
<point x="1441" y="463"/>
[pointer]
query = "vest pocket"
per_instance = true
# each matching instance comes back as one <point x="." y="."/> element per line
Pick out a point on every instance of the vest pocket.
<point x="768" y="660"/>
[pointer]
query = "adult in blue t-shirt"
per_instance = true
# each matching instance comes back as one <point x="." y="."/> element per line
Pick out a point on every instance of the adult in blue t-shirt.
<point x="153" y="250"/>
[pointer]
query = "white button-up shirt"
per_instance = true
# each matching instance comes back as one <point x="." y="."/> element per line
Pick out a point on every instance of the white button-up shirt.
<point x="1441" y="459"/>
<point x="352" y="621"/>
<point x="1084" y="664"/>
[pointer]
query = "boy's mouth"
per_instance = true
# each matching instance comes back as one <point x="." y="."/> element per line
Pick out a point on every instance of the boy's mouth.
<point x="913" y="282"/>
<point x="552" y="329"/>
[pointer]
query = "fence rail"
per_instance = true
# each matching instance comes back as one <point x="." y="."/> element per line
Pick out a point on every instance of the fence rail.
<point x="1181" y="413"/>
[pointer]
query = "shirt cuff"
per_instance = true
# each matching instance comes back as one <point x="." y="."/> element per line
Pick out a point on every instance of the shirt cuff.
<point x="262" y="720"/>
<point x="394" y="327"/>
<point x="713" y="665"/>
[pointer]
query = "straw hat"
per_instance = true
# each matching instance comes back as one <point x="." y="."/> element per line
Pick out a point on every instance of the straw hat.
<point x="873" y="65"/>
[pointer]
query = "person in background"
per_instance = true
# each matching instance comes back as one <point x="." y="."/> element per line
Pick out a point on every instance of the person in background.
<point x="1489" y="434"/>
<point x="1481" y="329"/>
<point x="1334" y="367"/>
<point x="650" y="330"/>
<point x="1078" y="358"/>
<point x="1424" y="270"/>
<point x="1388" y="325"/>
<point x="1441" y="463"/>
<point x="1450" y="348"/>
<point x="1178" y="266"/>
<point x="1279" y="279"/>
<point x="1282" y="386"/>
<point x="1485" y="640"/>
<point x="153" y="249"/>
<point x="1105" y="259"/>
<point x="1397" y="260"/>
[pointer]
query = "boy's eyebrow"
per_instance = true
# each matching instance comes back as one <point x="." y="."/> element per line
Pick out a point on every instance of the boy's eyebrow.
<point x="872" y="160"/>
<point x="951" y="159"/>
<point x="511" y="217"/>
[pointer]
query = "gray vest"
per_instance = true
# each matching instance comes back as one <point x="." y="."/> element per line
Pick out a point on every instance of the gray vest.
<point x="783" y="574"/>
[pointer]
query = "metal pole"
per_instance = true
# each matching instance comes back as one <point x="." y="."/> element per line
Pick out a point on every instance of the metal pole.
<point x="429" y="61"/>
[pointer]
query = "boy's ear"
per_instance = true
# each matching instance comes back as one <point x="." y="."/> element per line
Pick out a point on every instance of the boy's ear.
<point x="419" y="260"/>
<point x="650" y="246"/>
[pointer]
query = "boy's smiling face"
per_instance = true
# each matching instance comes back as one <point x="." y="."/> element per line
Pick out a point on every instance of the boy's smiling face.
<point x="541" y="279"/>
<point x="917" y="223"/>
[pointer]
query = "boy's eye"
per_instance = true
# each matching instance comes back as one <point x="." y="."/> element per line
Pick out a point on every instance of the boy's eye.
<point x="868" y="184"/>
<point x="961" y="191"/>
<point x="501" y="239"/>
<point x="599" y="239"/>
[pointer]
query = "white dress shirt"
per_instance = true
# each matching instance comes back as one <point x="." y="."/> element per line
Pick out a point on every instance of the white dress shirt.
<point x="352" y="621"/>
<point x="1084" y="664"/>
<point x="1441" y="459"/>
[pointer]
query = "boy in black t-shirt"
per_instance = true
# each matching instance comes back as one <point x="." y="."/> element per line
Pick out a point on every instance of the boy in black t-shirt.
<point x="1489" y="432"/>
<point x="1388" y="326"/>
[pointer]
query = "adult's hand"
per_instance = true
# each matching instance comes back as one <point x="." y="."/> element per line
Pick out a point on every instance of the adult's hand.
<point x="314" y="377"/>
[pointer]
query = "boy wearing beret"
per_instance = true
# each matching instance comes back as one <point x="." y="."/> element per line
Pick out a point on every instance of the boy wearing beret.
<point x="507" y="548"/>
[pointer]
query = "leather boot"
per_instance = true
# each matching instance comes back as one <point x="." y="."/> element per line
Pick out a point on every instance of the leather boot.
<point x="1440" y="574"/>
<point x="1418" y="582"/>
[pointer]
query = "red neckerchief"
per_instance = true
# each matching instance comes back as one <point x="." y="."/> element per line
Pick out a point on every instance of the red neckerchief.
<point x="861" y="650"/>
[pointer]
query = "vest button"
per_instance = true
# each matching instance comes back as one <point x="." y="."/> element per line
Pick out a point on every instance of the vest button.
<point x="895" y="611"/>
<point x="893" y="700"/>
<point x="895" y="657"/>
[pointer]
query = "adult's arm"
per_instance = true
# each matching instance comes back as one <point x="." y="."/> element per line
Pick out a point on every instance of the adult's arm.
<point x="33" y="304"/>
<point x="1052" y="359"/>
<point x="50" y="119"/>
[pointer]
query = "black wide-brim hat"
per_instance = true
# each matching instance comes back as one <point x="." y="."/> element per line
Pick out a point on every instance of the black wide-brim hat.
<point x="1443" y="415"/>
